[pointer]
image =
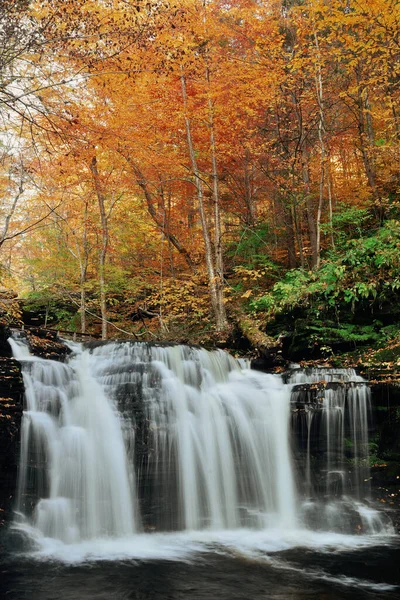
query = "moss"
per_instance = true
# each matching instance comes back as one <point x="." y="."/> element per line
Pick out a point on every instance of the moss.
<point x="391" y="354"/>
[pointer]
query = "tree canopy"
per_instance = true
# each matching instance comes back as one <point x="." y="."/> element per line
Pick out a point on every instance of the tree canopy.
<point x="174" y="159"/>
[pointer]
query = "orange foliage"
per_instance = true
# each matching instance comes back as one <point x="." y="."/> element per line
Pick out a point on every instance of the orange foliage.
<point x="303" y="99"/>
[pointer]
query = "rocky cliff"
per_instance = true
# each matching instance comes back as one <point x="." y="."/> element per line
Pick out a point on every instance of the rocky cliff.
<point x="11" y="406"/>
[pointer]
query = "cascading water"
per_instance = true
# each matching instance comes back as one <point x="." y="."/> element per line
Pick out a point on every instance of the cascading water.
<point x="334" y="425"/>
<point x="217" y="452"/>
<point x="127" y="437"/>
<point x="73" y="469"/>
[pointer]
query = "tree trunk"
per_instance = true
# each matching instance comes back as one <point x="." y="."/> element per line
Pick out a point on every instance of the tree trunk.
<point x="83" y="304"/>
<point x="312" y="229"/>
<point x="297" y="233"/>
<point x="221" y="319"/>
<point x="104" y="246"/>
<point x="248" y="194"/>
<point x="150" y="202"/>
<point x="330" y="206"/>
<point x="290" y="237"/>
<point x="260" y="341"/>
<point x="366" y="135"/>
<point x="84" y="262"/>
<point x="10" y="214"/>
<point x="319" y="88"/>
<point x="203" y="219"/>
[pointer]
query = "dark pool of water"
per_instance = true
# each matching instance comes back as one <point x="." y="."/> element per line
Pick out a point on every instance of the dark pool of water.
<point x="297" y="574"/>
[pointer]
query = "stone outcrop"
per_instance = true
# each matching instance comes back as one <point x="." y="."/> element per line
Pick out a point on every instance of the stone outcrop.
<point x="46" y="344"/>
<point x="11" y="407"/>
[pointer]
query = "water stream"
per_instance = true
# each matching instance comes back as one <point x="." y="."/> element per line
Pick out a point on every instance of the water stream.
<point x="139" y="451"/>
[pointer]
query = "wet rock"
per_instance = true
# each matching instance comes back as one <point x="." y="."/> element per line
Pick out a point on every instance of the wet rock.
<point x="47" y="344"/>
<point x="5" y="349"/>
<point x="11" y="407"/>
<point x="16" y="540"/>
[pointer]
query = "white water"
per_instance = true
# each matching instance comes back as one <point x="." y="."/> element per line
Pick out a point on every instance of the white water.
<point x="327" y="374"/>
<point x="73" y="456"/>
<point x="218" y="448"/>
<point x="343" y="432"/>
<point x="213" y="458"/>
<point x="339" y="417"/>
<point x="190" y="545"/>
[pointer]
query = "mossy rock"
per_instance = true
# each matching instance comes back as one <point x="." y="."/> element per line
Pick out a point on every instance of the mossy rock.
<point x="391" y="355"/>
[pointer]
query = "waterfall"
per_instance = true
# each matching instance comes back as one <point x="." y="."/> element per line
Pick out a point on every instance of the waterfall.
<point x="74" y="478"/>
<point x="218" y="448"/>
<point x="132" y="437"/>
<point x="335" y="406"/>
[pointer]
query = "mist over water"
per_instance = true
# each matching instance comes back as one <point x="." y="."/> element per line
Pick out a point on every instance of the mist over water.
<point x="132" y="451"/>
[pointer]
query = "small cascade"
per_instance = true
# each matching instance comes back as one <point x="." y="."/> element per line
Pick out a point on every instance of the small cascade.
<point x="332" y="421"/>
<point x="326" y="374"/>
<point x="129" y="437"/>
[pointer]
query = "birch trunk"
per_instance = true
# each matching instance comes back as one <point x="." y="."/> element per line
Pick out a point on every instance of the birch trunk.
<point x="221" y="319"/>
<point x="321" y="136"/>
<point x="84" y="262"/>
<point x="103" y="248"/>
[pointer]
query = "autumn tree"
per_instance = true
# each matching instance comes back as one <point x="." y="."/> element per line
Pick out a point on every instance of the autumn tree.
<point x="205" y="123"/>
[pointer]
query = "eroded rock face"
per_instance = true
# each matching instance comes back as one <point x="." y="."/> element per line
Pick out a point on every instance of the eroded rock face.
<point x="11" y="407"/>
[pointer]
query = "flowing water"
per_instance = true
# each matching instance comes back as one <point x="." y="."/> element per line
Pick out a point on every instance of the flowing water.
<point x="143" y="458"/>
<point x="334" y="426"/>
